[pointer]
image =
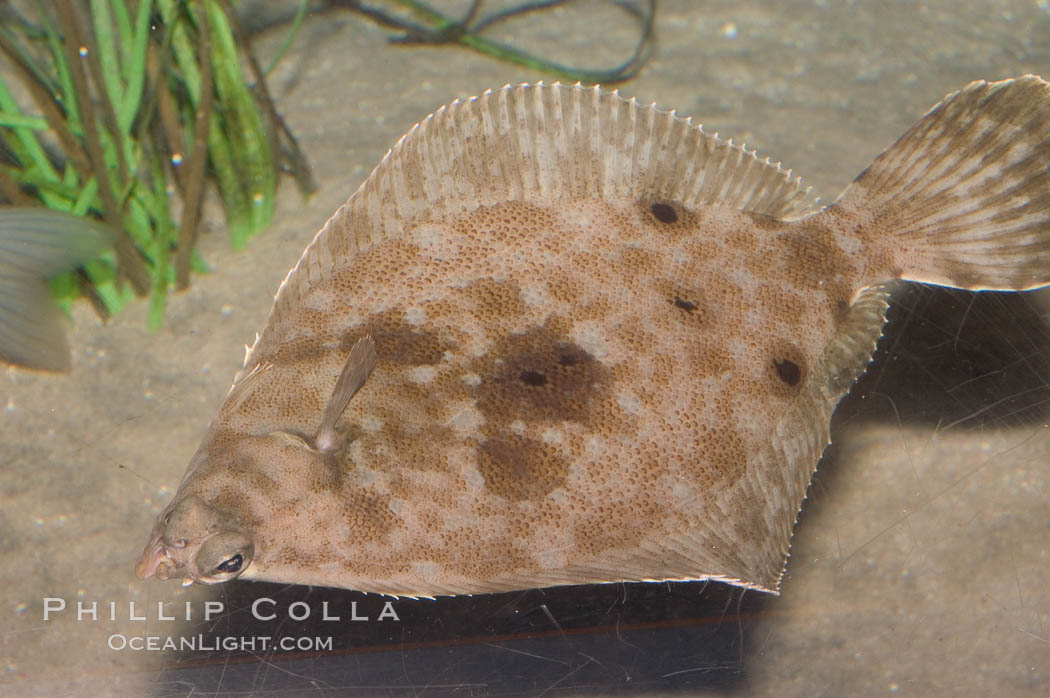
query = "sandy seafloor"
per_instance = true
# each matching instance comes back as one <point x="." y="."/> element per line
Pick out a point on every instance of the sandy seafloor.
<point x="921" y="562"/>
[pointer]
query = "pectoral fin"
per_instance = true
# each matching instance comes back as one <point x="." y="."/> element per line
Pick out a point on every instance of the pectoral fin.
<point x="355" y="372"/>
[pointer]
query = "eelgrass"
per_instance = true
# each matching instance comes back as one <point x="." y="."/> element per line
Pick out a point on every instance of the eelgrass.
<point x="432" y="26"/>
<point x="142" y="106"/>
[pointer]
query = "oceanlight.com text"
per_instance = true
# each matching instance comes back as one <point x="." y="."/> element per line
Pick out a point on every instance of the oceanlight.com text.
<point x="203" y="643"/>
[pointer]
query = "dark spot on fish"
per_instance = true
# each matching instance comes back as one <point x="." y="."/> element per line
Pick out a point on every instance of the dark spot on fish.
<point x="664" y="213"/>
<point x="687" y="306"/>
<point x="564" y="380"/>
<point x="688" y="298"/>
<point x="519" y="468"/>
<point x="788" y="371"/>
<point x="533" y="378"/>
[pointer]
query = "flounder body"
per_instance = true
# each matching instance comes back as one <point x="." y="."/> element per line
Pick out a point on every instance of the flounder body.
<point x="558" y="338"/>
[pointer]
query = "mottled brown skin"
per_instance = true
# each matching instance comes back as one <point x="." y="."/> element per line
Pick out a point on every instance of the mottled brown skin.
<point x="547" y="379"/>
<point x="586" y="387"/>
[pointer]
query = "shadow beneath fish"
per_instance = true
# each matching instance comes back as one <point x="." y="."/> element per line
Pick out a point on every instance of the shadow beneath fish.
<point x="602" y="639"/>
<point x="959" y="360"/>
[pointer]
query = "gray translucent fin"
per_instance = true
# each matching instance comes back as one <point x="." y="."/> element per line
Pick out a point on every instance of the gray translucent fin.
<point x="37" y="243"/>
<point x="359" y="365"/>
<point x="966" y="191"/>
<point x="542" y="144"/>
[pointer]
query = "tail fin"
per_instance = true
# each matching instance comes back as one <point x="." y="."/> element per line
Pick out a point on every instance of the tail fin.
<point x="965" y="193"/>
<point x="36" y="243"/>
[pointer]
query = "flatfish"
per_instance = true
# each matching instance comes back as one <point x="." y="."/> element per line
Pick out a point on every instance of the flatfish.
<point x="559" y="337"/>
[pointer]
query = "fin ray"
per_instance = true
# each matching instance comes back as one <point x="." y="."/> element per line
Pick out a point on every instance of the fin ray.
<point x="37" y="243"/>
<point x="965" y="192"/>
<point x="544" y="144"/>
<point x="31" y="327"/>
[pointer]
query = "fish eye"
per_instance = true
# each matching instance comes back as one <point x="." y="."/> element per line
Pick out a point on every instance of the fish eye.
<point x="232" y="565"/>
<point x="224" y="556"/>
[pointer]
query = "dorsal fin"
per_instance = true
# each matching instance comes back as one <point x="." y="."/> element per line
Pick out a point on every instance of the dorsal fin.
<point x="543" y="144"/>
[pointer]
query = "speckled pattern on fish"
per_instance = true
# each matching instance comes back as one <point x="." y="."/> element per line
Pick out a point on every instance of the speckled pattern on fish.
<point x="607" y="346"/>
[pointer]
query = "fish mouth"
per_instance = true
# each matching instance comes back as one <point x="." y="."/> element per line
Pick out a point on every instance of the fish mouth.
<point x="154" y="561"/>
